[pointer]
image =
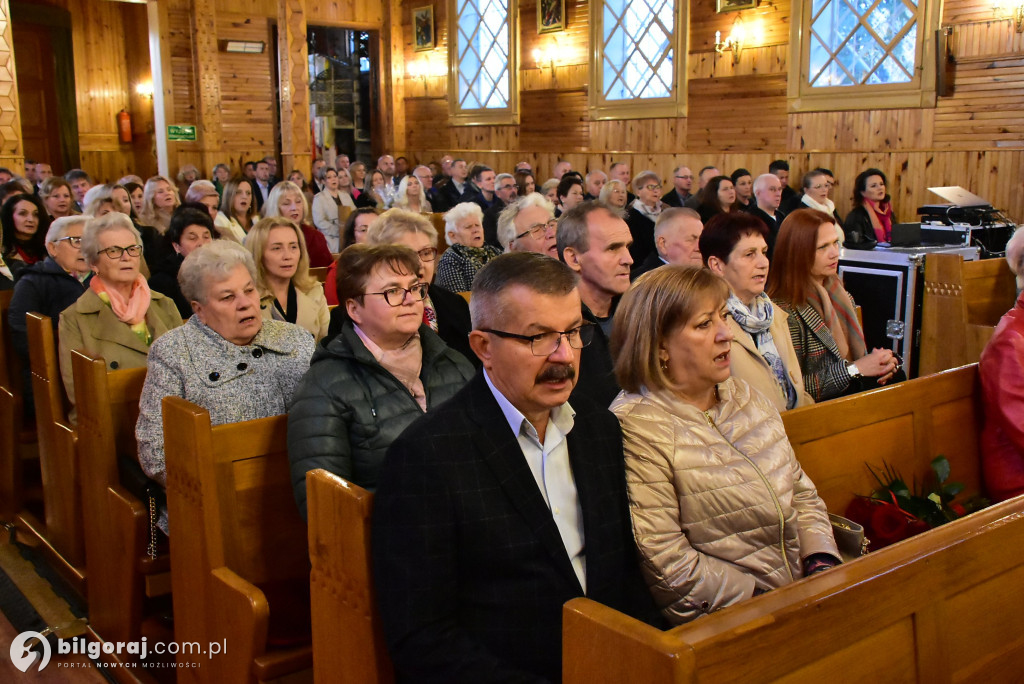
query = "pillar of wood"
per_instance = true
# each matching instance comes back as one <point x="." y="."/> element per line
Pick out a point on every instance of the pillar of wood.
<point x="393" y="91"/>
<point x="12" y="152"/>
<point x="206" y="65"/>
<point x="293" y="67"/>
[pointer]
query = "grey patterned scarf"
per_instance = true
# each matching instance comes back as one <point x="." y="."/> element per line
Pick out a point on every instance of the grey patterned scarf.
<point x="757" y="322"/>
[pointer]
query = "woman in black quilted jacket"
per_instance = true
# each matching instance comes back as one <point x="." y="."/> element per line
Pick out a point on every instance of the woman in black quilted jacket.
<point x="382" y="371"/>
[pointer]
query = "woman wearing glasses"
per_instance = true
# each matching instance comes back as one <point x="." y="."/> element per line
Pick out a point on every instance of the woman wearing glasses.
<point x="383" y="370"/>
<point x="642" y="214"/>
<point x="118" y="317"/>
<point x="817" y="186"/>
<point x="287" y="291"/>
<point x="49" y="286"/>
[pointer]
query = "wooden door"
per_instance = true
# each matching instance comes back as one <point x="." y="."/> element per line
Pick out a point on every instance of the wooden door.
<point x="37" y="93"/>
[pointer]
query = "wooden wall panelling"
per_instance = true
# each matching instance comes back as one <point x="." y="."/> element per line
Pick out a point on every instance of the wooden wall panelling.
<point x="426" y="125"/>
<point x="136" y="25"/>
<point x="490" y="138"/>
<point x="392" y="90"/>
<point x="861" y="130"/>
<point x="553" y="120"/>
<point x="985" y="109"/>
<point x="740" y="113"/>
<point x="207" y="71"/>
<point x="179" y="72"/>
<point x="12" y="153"/>
<point x="246" y="87"/>
<point x="252" y="8"/>
<point x="963" y="11"/>
<point x="293" y="88"/>
<point x="368" y="13"/>
<point x="639" y="135"/>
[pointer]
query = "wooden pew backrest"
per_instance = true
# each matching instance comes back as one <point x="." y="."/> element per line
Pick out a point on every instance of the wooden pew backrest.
<point x="348" y="643"/>
<point x="58" y="454"/>
<point x="116" y="522"/>
<point x="963" y="301"/>
<point x="944" y="606"/>
<point x="905" y="425"/>
<point x="235" y="531"/>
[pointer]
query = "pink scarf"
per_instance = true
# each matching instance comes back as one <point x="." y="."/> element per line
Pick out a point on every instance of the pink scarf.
<point x="880" y="214"/>
<point x="132" y="310"/>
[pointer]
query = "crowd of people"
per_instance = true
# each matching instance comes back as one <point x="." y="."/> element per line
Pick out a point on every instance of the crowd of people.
<point x="594" y="366"/>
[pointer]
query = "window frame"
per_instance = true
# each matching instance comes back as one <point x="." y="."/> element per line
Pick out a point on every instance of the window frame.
<point x="918" y="93"/>
<point x="460" y="116"/>
<point x="674" y="105"/>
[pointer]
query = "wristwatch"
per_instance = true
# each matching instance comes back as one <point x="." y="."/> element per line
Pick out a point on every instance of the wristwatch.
<point x="852" y="369"/>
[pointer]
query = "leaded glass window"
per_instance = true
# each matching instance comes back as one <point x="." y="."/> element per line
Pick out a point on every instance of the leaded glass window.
<point x="482" y="45"/>
<point x="860" y="42"/>
<point x="637" y="49"/>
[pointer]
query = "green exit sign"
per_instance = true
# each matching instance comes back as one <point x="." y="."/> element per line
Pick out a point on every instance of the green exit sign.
<point x="181" y="133"/>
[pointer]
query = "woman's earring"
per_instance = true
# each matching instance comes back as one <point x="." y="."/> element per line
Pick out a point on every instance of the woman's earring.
<point x="664" y="364"/>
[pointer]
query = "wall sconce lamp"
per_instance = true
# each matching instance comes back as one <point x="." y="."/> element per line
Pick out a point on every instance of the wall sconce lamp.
<point x="144" y="88"/>
<point x="546" y="56"/>
<point x="734" y="42"/>
<point x="1015" y="8"/>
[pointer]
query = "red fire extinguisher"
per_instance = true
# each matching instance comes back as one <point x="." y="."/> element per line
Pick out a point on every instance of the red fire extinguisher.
<point x="124" y="126"/>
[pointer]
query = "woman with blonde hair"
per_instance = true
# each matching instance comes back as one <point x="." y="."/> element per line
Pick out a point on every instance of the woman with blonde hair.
<point x="286" y="200"/>
<point x="159" y="200"/>
<point x="411" y="196"/>
<point x="287" y="291"/>
<point x="721" y="509"/>
<point x="56" y="195"/>
<point x="614" y="193"/>
<point x="326" y="206"/>
<point x="237" y="213"/>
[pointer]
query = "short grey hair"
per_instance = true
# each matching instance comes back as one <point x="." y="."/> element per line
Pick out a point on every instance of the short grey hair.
<point x="104" y="224"/>
<point x="1015" y="255"/>
<point x="507" y="217"/>
<point x="200" y="189"/>
<point x="389" y="227"/>
<point x="572" y="226"/>
<point x="667" y="220"/>
<point x="642" y="177"/>
<point x="594" y="174"/>
<point x="763" y="180"/>
<point x="60" y="227"/>
<point x="457" y="214"/>
<point x="538" y="272"/>
<point x="210" y="264"/>
<point x="502" y="176"/>
<point x="95" y="196"/>
<point x="609" y="188"/>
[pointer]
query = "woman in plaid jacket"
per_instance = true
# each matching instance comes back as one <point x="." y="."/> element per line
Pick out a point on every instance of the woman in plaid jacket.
<point x="827" y="336"/>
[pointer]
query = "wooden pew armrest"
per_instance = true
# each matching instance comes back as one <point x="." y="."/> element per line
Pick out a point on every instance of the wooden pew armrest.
<point x="592" y="655"/>
<point x="238" y="611"/>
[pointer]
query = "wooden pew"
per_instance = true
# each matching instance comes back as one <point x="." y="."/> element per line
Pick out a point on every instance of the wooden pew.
<point x="963" y="301"/>
<point x="943" y="606"/>
<point x="320" y="273"/>
<point x="62" y="538"/>
<point x="239" y="555"/>
<point x="348" y="644"/>
<point x="10" y="465"/>
<point x="121" y="573"/>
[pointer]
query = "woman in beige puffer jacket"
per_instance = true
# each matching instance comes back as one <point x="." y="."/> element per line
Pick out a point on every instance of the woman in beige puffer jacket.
<point x="721" y="508"/>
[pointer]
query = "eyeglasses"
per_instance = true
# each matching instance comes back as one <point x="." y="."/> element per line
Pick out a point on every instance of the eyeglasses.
<point x="116" y="252"/>
<point x="538" y="230"/>
<point x="652" y="187"/>
<point x="546" y="344"/>
<point x="427" y="253"/>
<point x="506" y="187"/>
<point x="75" y="242"/>
<point x="685" y="177"/>
<point x="395" y="296"/>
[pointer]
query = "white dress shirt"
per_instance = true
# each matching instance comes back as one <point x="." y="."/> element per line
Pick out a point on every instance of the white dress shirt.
<point x="549" y="463"/>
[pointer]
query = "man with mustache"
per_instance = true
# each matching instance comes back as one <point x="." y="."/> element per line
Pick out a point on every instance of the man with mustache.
<point x="506" y="501"/>
<point x="594" y="240"/>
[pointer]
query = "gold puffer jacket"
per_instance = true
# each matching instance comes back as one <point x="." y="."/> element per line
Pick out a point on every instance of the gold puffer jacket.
<point x="720" y="505"/>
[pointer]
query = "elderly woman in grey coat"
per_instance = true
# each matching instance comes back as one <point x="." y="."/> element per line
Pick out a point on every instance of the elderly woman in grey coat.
<point x="227" y="358"/>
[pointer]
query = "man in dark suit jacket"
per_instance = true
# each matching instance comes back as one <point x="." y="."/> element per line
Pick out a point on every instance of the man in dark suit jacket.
<point x="504" y="502"/>
<point x="682" y="187"/>
<point x="261" y="185"/>
<point x="767" y="197"/>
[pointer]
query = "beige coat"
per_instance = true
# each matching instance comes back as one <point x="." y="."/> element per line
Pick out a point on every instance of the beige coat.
<point x="314" y="314"/>
<point x="747" y="363"/>
<point x="708" y="492"/>
<point x="91" y="325"/>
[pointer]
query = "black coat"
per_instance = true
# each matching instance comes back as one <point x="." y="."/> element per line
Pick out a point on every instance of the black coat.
<point x="491" y="224"/>
<point x="473" y="564"/>
<point x="772" y="223"/>
<point x="597" y="381"/>
<point x="642" y="230"/>
<point x="652" y="262"/>
<point x="164" y="279"/>
<point x="448" y="196"/>
<point x="860" y="234"/>
<point x="671" y="198"/>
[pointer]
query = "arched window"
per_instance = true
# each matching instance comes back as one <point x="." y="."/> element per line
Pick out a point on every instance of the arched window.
<point x="482" y="86"/>
<point x="639" y="65"/>
<point x="863" y="54"/>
